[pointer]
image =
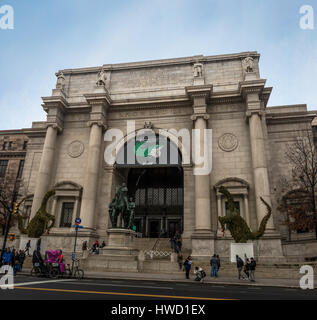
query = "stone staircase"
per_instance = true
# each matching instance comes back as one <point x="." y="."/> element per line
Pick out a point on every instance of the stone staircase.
<point x="168" y="263"/>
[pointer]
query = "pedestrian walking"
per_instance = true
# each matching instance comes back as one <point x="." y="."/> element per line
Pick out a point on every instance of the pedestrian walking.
<point x="173" y="243"/>
<point x="16" y="262"/>
<point x="84" y="246"/>
<point x="214" y="262"/>
<point x="38" y="244"/>
<point x="240" y="265"/>
<point x="37" y="261"/>
<point x="7" y="257"/>
<point x="28" y="247"/>
<point x="11" y="263"/>
<point x="252" y="269"/>
<point x="103" y="244"/>
<point x="188" y="264"/>
<point x="218" y="263"/>
<point x="180" y="260"/>
<point x="246" y="269"/>
<point x="22" y="258"/>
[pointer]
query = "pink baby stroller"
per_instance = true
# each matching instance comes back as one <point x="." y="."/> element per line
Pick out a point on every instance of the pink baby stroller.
<point x="55" y="268"/>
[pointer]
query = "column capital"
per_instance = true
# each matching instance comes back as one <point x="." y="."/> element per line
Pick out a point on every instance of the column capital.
<point x="194" y="117"/>
<point x="99" y="123"/>
<point x="250" y="113"/>
<point x="55" y="126"/>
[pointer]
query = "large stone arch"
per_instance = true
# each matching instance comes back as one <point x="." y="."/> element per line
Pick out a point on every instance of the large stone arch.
<point x="184" y="150"/>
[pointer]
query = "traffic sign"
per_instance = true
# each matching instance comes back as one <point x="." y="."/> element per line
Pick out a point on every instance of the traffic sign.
<point x="78" y="226"/>
<point x="78" y="221"/>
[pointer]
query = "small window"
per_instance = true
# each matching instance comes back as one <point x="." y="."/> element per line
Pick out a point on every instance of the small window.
<point x="4" y="145"/>
<point x="10" y="145"/>
<point x="3" y="168"/>
<point x="67" y="214"/>
<point x="236" y="204"/>
<point x="21" y="166"/>
<point x="25" y="144"/>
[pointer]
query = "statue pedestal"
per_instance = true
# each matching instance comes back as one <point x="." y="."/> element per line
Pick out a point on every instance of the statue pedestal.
<point x="249" y="76"/>
<point x="118" y="255"/>
<point x="120" y="240"/>
<point x="242" y="250"/>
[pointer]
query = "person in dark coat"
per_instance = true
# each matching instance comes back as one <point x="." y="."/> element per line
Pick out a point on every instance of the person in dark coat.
<point x="214" y="263"/>
<point x="22" y="258"/>
<point x="37" y="258"/>
<point x="188" y="265"/>
<point x="27" y="247"/>
<point x="180" y="260"/>
<point x="7" y="257"/>
<point x="16" y="262"/>
<point x="240" y="265"/>
<point x="38" y="244"/>
<point x="252" y="269"/>
<point x="247" y="268"/>
<point x="84" y="247"/>
<point x="218" y="262"/>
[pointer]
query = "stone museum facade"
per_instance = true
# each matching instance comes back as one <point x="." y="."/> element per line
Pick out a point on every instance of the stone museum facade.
<point x="224" y="93"/>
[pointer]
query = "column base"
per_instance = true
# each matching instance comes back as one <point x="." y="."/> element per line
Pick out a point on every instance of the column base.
<point x="203" y="245"/>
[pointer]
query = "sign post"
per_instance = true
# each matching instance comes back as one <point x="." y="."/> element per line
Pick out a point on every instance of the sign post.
<point x="76" y="226"/>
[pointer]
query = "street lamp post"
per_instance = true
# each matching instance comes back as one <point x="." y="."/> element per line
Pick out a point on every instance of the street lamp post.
<point x="77" y="226"/>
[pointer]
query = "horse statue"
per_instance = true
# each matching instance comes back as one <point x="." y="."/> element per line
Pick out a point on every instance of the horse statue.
<point x="120" y="206"/>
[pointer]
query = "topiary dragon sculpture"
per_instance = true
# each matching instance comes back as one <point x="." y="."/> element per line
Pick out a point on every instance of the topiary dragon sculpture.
<point x="39" y="224"/>
<point x="237" y="226"/>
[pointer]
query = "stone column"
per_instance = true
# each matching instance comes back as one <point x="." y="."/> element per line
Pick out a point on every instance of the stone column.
<point x="202" y="238"/>
<point x="90" y="187"/>
<point x="202" y="183"/>
<point x="46" y="165"/>
<point x="246" y="209"/>
<point x="260" y="173"/>
<point x="219" y="210"/>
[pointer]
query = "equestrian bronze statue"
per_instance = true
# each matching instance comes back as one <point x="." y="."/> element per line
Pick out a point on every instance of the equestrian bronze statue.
<point x="122" y="208"/>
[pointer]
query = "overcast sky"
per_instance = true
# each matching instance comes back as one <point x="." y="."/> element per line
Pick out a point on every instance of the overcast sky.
<point x="58" y="34"/>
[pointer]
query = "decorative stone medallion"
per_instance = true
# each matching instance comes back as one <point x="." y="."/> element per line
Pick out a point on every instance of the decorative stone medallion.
<point x="228" y="142"/>
<point x="75" y="149"/>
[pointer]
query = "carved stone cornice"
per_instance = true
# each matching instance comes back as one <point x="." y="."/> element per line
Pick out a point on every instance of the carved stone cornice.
<point x="199" y="91"/>
<point x="12" y="154"/>
<point x="100" y="96"/>
<point x="52" y="102"/>
<point x="251" y="87"/>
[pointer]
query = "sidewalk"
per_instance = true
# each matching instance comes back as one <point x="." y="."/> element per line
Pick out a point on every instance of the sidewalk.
<point x="180" y="278"/>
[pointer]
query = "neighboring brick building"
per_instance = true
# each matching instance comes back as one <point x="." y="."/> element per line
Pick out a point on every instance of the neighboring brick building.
<point x="13" y="145"/>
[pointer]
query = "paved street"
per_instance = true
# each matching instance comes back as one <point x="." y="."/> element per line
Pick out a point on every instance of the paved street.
<point x="28" y="288"/>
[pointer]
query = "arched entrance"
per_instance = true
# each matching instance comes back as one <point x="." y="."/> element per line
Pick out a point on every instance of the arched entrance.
<point x="155" y="182"/>
<point x="159" y="197"/>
